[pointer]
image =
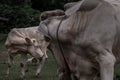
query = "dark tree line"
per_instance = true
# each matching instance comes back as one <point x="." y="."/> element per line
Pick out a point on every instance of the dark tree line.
<point x="24" y="13"/>
<point x="49" y="4"/>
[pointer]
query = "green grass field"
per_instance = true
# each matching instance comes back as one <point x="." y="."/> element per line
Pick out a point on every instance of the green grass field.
<point x="48" y="72"/>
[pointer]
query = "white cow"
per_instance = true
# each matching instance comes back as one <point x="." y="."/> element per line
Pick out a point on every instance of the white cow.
<point x="88" y="38"/>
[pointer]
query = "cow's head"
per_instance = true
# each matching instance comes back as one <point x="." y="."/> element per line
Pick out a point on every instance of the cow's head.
<point x="71" y="8"/>
<point x="49" y="19"/>
<point x="33" y="48"/>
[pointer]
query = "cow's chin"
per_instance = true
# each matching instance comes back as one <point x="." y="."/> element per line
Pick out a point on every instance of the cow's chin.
<point x="40" y="55"/>
<point x="37" y="55"/>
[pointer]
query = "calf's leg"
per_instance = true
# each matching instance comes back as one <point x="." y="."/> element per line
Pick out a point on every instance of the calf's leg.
<point x="10" y="62"/>
<point x="23" y="65"/>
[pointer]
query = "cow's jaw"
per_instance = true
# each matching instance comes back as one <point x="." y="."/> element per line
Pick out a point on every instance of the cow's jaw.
<point x="40" y="53"/>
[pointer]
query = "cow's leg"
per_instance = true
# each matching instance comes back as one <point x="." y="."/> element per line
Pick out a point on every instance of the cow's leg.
<point x="40" y="65"/>
<point x="63" y="72"/>
<point x="106" y="62"/>
<point x="23" y="65"/>
<point x="10" y="62"/>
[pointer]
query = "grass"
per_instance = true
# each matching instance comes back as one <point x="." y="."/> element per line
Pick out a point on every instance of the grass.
<point x="48" y="72"/>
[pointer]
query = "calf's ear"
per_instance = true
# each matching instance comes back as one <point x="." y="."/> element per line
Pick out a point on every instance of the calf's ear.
<point x="28" y="40"/>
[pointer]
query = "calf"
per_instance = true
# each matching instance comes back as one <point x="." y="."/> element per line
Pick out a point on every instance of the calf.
<point x="25" y="41"/>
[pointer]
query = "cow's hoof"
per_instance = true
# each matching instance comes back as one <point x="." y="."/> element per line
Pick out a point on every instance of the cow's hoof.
<point x="22" y="78"/>
<point x="7" y="77"/>
<point x="26" y="70"/>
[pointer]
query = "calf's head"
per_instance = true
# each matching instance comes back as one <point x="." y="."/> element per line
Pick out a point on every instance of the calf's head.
<point x="33" y="48"/>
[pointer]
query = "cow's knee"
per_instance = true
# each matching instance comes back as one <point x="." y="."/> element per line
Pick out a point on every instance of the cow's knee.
<point x="107" y="59"/>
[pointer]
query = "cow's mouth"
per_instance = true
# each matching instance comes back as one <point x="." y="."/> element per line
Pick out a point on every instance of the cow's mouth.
<point x="41" y="57"/>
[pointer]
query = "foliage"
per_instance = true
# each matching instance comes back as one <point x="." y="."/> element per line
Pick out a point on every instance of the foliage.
<point x="24" y="13"/>
<point x="19" y="16"/>
<point x="49" y="4"/>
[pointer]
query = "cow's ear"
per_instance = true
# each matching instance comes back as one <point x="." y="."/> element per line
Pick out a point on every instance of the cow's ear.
<point x="43" y="28"/>
<point x="83" y="5"/>
<point x="28" y="40"/>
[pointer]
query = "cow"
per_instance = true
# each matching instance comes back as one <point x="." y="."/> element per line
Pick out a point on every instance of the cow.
<point x="25" y="41"/>
<point x="87" y="37"/>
